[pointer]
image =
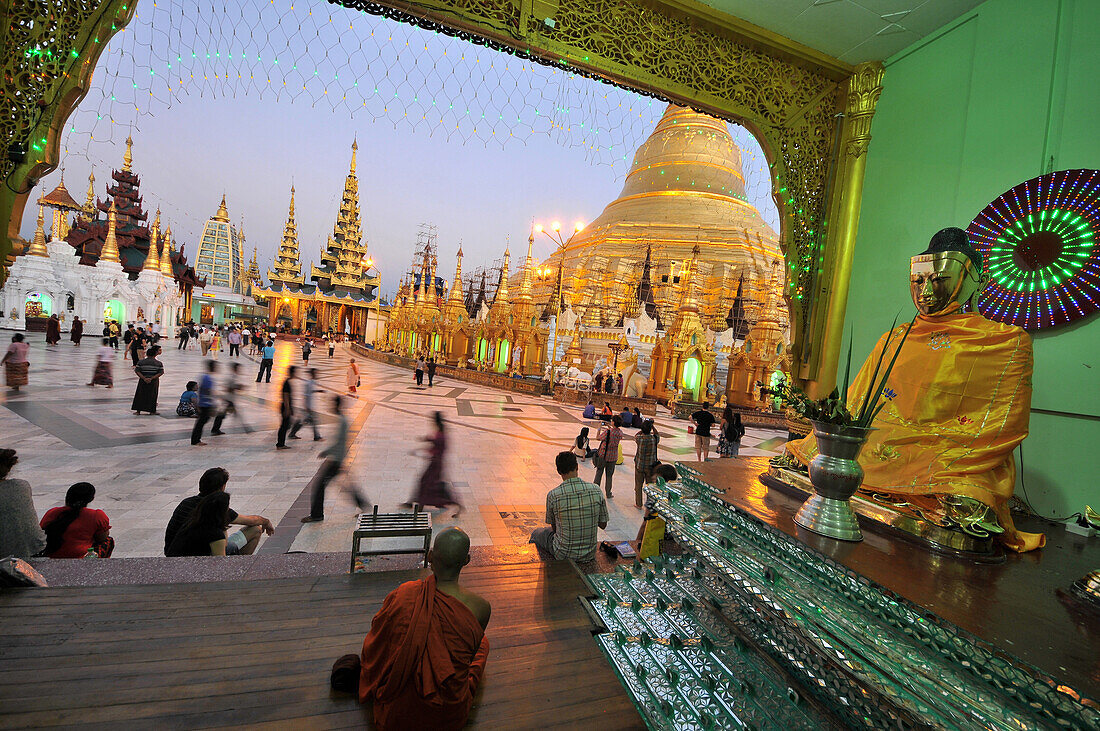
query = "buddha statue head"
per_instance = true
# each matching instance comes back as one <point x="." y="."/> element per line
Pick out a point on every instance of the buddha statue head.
<point x="946" y="275"/>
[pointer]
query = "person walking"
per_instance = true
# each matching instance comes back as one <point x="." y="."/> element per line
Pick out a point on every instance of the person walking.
<point x="105" y="358"/>
<point x="432" y="491"/>
<point x="207" y="402"/>
<point x="286" y="409"/>
<point x="420" y="368"/>
<point x="431" y="370"/>
<point x="607" y="453"/>
<point x="16" y="365"/>
<point x="309" y="388"/>
<point x="133" y="346"/>
<point x="205" y="339"/>
<point x="730" y="432"/>
<point x="267" y="357"/>
<point x="351" y="377"/>
<point x="307" y="348"/>
<point x="645" y="460"/>
<point x="77" y="331"/>
<point x="184" y="335"/>
<point x="112" y="331"/>
<point x="331" y="345"/>
<point x="53" y="330"/>
<point x="229" y="401"/>
<point x="148" y="370"/>
<point x="334" y="457"/>
<point x="234" y="338"/>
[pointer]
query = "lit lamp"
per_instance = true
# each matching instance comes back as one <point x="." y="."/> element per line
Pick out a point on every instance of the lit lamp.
<point x="366" y="264"/>
<point x="616" y="348"/>
<point x="560" y="242"/>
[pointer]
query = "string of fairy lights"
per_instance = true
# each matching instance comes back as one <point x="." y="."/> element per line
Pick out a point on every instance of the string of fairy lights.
<point x="346" y="62"/>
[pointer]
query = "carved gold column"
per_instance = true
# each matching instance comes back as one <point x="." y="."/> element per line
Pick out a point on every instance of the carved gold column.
<point x="38" y="91"/>
<point x="864" y="88"/>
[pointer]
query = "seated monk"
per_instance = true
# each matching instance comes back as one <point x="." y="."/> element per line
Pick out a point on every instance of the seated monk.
<point x="957" y="402"/>
<point x="426" y="650"/>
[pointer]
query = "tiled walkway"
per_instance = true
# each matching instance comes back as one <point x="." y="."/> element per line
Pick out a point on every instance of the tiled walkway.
<point x="500" y="461"/>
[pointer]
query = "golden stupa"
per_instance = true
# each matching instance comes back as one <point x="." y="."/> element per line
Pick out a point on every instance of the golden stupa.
<point x="685" y="189"/>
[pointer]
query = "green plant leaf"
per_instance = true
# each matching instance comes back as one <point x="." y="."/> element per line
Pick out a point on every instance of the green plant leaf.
<point x="886" y="376"/>
<point x="864" y="408"/>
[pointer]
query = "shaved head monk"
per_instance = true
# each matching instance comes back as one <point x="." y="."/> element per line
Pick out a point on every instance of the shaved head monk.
<point x="425" y="654"/>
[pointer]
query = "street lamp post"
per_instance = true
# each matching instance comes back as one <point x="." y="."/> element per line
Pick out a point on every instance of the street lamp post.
<point x="560" y="242"/>
<point x="366" y="265"/>
<point x="616" y="348"/>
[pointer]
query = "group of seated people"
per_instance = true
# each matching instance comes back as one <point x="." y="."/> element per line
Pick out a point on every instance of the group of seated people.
<point x="76" y="530"/>
<point x="632" y="419"/>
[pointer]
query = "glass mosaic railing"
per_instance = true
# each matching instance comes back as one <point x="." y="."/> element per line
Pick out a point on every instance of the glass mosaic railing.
<point x="705" y="641"/>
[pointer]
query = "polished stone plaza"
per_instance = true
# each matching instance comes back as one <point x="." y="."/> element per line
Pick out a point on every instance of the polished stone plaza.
<point x="500" y="459"/>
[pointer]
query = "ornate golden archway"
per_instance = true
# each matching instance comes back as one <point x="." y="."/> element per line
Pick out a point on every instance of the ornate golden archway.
<point x="812" y="113"/>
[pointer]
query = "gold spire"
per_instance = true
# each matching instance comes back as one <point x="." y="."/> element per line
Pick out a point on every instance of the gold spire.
<point x="525" y="282"/>
<point x="223" y="213"/>
<point x="354" y="150"/>
<point x="341" y="261"/>
<point x="109" y="251"/>
<point x="89" y="202"/>
<point x="152" y="260"/>
<point x="166" y="254"/>
<point x="502" y="290"/>
<point x="38" y="243"/>
<point x="128" y="158"/>
<point x="288" y="266"/>
<point x="456" y="287"/>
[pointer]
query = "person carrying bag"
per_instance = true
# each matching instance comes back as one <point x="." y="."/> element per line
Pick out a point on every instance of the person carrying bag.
<point x="607" y="453"/>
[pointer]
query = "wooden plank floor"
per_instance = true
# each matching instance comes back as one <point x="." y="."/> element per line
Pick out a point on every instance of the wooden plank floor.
<point x="257" y="653"/>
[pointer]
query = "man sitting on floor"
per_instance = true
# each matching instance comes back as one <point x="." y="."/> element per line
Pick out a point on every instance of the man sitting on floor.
<point x="574" y="509"/>
<point x="426" y="650"/>
<point x="242" y="542"/>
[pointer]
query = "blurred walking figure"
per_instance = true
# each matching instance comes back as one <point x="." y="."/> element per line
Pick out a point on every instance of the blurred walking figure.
<point x="334" y="457"/>
<point x="432" y="491"/>
<point x="230" y="401"/>
<point x="104" y="362"/>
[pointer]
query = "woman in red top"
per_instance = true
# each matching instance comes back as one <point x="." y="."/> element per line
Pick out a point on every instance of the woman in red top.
<point x="75" y="530"/>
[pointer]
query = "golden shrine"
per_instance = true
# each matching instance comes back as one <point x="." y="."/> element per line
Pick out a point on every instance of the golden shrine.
<point x="707" y="293"/>
<point x="502" y="334"/>
<point x="343" y="292"/>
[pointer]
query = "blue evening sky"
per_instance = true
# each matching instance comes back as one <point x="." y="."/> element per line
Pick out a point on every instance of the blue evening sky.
<point x="252" y="96"/>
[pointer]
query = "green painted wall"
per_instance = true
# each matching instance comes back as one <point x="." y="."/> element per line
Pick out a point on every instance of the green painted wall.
<point x="965" y="114"/>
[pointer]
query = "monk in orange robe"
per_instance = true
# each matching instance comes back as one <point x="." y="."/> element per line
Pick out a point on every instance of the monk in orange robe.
<point x="425" y="654"/>
<point x="958" y="400"/>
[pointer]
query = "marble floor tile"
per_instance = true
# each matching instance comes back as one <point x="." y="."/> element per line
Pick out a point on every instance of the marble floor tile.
<point x="500" y="457"/>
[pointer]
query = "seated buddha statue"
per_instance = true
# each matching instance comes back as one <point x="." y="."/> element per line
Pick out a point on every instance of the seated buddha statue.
<point x="957" y="403"/>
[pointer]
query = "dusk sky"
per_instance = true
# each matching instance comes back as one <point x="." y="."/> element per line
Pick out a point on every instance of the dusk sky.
<point x="286" y="89"/>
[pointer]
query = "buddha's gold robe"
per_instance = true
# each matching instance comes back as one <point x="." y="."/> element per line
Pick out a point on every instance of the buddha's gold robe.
<point x="957" y="403"/>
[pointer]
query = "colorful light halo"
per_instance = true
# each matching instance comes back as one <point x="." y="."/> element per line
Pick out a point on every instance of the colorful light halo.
<point x="1040" y="246"/>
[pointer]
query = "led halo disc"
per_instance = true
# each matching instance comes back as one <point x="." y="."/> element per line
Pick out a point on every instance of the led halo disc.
<point x="1040" y="246"/>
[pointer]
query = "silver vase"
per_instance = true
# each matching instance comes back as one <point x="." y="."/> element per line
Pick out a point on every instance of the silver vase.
<point x="835" y="475"/>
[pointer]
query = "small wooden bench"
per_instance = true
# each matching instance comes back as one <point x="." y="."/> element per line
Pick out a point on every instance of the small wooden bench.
<point x="391" y="525"/>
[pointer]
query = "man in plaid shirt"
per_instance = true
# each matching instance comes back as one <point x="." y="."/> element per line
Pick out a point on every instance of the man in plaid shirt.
<point x="574" y="510"/>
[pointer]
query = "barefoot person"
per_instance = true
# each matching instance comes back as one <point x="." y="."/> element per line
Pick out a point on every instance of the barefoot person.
<point x="432" y="491"/>
<point x="149" y="371"/>
<point x="425" y="654"/>
<point x="104" y="361"/>
<point x="352" y="378"/>
<point x="15" y="362"/>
